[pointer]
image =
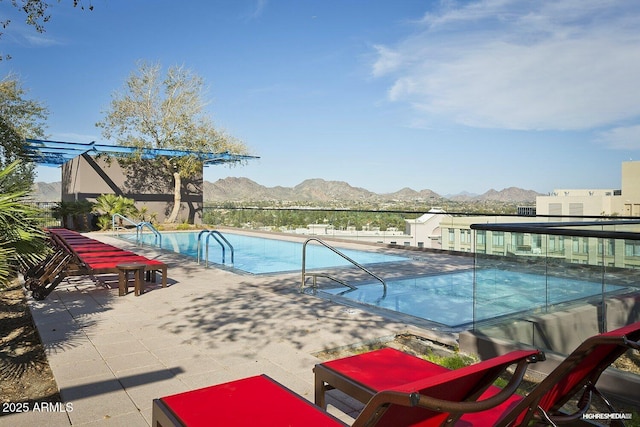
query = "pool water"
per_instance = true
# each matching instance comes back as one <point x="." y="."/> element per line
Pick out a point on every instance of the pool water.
<point x="448" y="299"/>
<point x="260" y="255"/>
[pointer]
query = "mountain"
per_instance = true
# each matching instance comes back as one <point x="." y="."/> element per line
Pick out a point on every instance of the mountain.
<point x="318" y="190"/>
<point x="244" y="189"/>
<point x="511" y="194"/>
<point x="46" y="192"/>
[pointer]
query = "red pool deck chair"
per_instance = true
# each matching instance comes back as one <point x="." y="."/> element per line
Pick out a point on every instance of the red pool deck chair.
<point x="99" y="257"/>
<point x="87" y="256"/>
<point x="262" y="401"/>
<point x="362" y="376"/>
<point x="576" y="375"/>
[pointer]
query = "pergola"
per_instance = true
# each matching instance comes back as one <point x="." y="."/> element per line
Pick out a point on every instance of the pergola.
<point x="86" y="175"/>
<point x="57" y="153"/>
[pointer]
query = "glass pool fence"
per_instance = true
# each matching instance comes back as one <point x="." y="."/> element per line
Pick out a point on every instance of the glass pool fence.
<point x="587" y="262"/>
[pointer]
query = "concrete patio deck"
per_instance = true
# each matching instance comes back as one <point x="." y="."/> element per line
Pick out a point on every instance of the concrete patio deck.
<point x="111" y="356"/>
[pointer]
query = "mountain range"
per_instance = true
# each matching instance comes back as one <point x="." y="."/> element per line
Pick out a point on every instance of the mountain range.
<point x="317" y="190"/>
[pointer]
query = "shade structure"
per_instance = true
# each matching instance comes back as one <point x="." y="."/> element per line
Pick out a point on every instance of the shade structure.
<point x="57" y="153"/>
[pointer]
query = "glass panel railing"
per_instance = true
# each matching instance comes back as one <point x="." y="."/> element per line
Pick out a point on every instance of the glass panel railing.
<point x="531" y="273"/>
<point x="531" y="288"/>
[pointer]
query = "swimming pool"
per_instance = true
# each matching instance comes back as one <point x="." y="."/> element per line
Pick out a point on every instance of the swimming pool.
<point x="448" y="299"/>
<point x="259" y="255"/>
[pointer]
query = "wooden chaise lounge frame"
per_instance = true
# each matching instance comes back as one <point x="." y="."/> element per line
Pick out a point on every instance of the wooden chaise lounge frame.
<point x="74" y="254"/>
<point x="577" y="373"/>
<point x="262" y="401"/>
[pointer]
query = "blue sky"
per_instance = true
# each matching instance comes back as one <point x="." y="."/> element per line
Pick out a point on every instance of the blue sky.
<point x="450" y="96"/>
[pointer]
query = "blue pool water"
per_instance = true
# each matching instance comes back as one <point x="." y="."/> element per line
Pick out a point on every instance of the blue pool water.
<point x="259" y="255"/>
<point x="448" y="299"/>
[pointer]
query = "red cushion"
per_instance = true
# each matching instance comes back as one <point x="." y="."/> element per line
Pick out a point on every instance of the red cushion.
<point x="253" y="401"/>
<point x="106" y="254"/>
<point x="112" y="262"/>
<point x="385" y="368"/>
<point x="94" y="248"/>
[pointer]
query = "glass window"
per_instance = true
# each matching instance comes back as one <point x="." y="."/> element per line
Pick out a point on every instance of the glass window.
<point x="631" y="248"/>
<point x="498" y="238"/>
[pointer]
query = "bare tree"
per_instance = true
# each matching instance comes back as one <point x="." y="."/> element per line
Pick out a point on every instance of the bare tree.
<point x="167" y="111"/>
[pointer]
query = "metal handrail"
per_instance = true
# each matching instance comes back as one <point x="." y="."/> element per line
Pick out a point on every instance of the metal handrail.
<point x="213" y="233"/>
<point x="158" y="236"/>
<point x="314" y="275"/>
<point x="117" y="215"/>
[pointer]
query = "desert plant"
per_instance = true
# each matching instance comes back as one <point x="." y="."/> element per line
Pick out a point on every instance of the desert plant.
<point x="108" y="205"/>
<point x="76" y="211"/>
<point x="22" y="241"/>
<point x="144" y="215"/>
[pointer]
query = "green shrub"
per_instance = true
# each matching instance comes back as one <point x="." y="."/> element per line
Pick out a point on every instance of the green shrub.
<point x="454" y="361"/>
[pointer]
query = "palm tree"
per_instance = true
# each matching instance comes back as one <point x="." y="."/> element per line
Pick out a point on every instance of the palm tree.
<point x="22" y="240"/>
<point x="109" y="204"/>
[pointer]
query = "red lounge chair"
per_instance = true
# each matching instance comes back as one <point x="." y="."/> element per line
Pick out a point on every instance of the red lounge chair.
<point x="264" y="402"/>
<point x="362" y="376"/>
<point x="578" y="373"/>
<point x="75" y="254"/>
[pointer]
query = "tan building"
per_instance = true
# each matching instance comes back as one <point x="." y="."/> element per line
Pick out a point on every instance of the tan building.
<point x="596" y="202"/>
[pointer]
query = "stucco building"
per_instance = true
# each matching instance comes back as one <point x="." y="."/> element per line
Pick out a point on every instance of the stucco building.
<point x="596" y="202"/>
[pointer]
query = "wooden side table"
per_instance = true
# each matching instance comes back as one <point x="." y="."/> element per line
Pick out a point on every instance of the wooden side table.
<point x="138" y="277"/>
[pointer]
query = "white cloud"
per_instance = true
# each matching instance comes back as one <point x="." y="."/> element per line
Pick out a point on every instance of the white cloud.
<point x="519" y="64"/>
<point x="41" y="40"/>
<point x="259" y="9"/>
<point x="388" y="61"/>
<point x="622" y="138"/>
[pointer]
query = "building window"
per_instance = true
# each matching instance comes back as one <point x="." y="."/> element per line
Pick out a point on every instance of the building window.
<point x="498" y="238"/>
<point x="632" y="248"/>
<point x="606" y="247"/>
<point x="421" y="244"/>
<point x="452" y="235"/>
<point x="536" y="241"/>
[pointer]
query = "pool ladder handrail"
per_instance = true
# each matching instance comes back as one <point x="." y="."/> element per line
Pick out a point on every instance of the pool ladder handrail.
<point x="122" y="217"/>
<point x="158" y="236"/>
<point x="213" y="233"/>
<point x="342" y="282"/>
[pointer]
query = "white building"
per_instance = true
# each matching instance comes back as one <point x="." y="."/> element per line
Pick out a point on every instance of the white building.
<point x="390" y="236"/>
<point x="425" y="230"/>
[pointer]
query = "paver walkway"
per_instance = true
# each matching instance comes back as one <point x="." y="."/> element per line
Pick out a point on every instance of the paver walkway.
<point x="111" y="356"/>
